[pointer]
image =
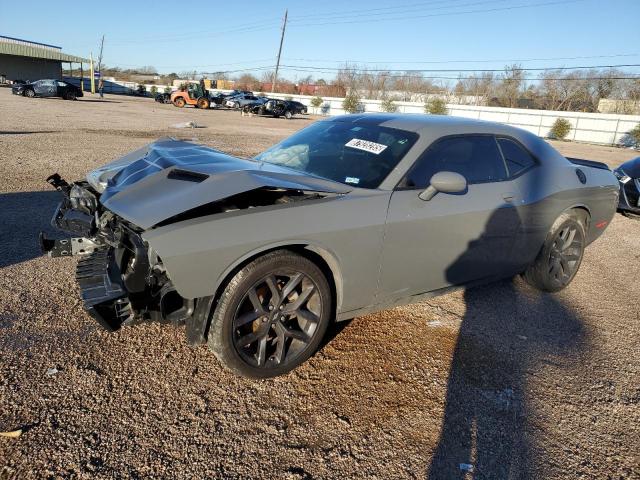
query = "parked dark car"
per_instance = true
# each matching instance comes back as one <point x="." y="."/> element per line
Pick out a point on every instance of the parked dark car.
<point x="628" y="175"/>
<point x="163" y="98"/>
<point x="276" y="108"/>
<point x="16" y="86"/>
<point x="49" y="88"/>
<point x="351" y="215"/>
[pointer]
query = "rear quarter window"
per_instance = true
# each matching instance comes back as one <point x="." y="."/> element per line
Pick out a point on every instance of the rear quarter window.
<point x="515" y="156"/>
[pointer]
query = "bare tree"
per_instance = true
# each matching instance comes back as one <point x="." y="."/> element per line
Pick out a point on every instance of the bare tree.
<point x="510" y="86"/>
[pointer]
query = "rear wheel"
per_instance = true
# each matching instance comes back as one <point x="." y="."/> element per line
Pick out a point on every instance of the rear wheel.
<point x="560" y="257"/>
<point x="29" y="93"/>
<point x="69" y="96"/>
<point x="179" y="102"/>
<point x="288" y="115"/>
<point x="272" y="316"/>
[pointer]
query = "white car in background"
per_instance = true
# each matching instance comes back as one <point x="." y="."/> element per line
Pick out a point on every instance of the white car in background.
<point x="240" y="101"/>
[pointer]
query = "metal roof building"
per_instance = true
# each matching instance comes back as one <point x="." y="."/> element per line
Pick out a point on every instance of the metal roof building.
<point x="26" y="60"/>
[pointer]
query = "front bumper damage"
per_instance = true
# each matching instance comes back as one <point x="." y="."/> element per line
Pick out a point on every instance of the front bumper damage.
<point x="122" y="281"/>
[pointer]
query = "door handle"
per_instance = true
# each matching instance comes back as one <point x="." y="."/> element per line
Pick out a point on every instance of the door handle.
<point x="508" y="197"/>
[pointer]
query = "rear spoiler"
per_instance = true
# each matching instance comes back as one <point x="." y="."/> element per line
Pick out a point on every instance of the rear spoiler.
<point x="588" y="163"/>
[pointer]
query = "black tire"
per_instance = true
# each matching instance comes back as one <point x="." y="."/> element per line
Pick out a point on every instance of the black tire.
<point x="69" y="96"/>
<point x="632" y="216"/>
<point x="281" y="333"/>
<point x="29" y="93"/>
<point x="288" y="115"/>
<point x="561" y="255"/>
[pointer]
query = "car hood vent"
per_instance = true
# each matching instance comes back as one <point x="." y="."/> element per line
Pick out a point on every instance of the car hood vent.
<point x="187" y="176"/>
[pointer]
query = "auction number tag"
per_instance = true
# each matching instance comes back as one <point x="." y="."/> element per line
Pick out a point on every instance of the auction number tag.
<point x="366" y="145"/>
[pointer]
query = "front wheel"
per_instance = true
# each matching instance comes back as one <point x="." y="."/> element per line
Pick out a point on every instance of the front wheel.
<point x="560" y="257"/>
<point x="272" y="316"/>
<point x="29" y="93"/>
<point x="179" y="102"/>
<point x="288" y="115"/>
<point x="203" y="103"/>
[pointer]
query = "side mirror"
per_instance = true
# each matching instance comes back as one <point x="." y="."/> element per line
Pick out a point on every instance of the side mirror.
<point x="445" y="182"/>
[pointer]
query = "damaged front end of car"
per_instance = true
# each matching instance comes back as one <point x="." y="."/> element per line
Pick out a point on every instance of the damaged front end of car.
<point x="122" y="280"/>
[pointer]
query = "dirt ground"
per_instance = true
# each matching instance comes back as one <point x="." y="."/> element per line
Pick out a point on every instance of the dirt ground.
<point x="515" y="383"/>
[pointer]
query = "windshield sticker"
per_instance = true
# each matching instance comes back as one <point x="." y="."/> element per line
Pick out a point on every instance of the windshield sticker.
<point x="366" y="145"/>
<point x="353" y="180"/>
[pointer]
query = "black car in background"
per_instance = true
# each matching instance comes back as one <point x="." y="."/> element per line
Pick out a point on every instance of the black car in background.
<point x="628" y="175"/>
<point x="275" y="108"/>
<point x="16" y="87"/>
<point x="47" y="88"/>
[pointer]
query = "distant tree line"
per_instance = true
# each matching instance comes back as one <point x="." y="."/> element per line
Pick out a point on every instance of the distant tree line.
<point x="563" y="90"/>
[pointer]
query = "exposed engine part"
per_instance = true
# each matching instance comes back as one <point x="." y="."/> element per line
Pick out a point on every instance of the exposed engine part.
<point x="66" y="247"/>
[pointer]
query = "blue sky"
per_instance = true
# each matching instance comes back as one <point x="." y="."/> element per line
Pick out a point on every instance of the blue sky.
<point x="234" y="36"/>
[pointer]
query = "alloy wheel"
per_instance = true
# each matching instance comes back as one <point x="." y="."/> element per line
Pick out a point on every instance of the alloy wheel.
<point x="277" y="319"/>
<point x="565" y="254"/>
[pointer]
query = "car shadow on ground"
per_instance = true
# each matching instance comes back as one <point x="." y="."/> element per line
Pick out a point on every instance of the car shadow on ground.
<point x="508" y="333"/>
<point x="22" y="216"/>
<point x="96" y="100"/>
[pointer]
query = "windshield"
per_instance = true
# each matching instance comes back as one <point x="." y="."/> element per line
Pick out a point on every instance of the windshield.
<point x="358" y="155"/>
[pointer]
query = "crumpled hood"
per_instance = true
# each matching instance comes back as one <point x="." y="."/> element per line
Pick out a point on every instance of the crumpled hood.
<point x="168" y="177"/>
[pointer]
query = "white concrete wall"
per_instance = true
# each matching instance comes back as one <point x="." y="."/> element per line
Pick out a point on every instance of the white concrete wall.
<point x="598" y="128"/>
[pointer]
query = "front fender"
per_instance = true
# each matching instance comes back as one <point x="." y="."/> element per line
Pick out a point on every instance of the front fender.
<point x="347" y="233"/>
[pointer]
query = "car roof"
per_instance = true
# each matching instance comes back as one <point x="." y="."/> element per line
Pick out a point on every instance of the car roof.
<point x="436" y="125"/>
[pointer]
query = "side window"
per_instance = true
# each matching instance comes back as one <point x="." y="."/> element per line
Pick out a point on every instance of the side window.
<point x="62" y="84"/>
<point x="516" y="157"/>
<point x="476" y="157"/>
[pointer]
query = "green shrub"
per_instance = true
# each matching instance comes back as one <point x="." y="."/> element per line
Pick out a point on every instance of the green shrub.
<point x="635" y="134"/>
<point x="167" y="89"/>
<point x="154" y="91"/>
<point x="560" y="128"/>
<point x="435" y="106"/>
<point x="388" y="105"/>
<point x="351" y="103"/>
<point x="288" y="98"/>
<point x="316" y="102"/>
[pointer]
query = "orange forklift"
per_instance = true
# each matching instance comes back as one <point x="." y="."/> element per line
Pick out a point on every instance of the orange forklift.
<point x="194" y="94"/>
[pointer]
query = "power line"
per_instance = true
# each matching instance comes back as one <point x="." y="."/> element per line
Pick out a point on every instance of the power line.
<point x="363" y="14"/>
<point x="190" y="37"/>
<point x="438" y="77"/>
<point x="189" y="67"/>
<point x="413" y="17"/>
<point x="359" y="11"/>
<point x="539" y="69"/>
<point x="435" y="62"/>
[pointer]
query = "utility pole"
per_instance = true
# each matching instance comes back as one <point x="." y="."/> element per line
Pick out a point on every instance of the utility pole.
<point x="93" y="77"/>
<point x="100" y="81"/>
<point x="275" y="77"/>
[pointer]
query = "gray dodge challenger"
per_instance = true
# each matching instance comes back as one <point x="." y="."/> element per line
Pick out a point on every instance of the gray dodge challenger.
<point x="353" y="214"/>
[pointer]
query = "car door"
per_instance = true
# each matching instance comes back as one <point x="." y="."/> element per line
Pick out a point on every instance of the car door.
<point x="48" y="88"/>
<point x="61" y="88"/>
<point x="451" y="239"/>
<point x="40" y="88"/>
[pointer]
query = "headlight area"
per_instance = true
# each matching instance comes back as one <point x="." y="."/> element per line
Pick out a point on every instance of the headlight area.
<point x="621" y="176"/>
<point x="122" y="280"/>
<point x="127" y="284"/>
